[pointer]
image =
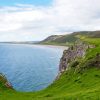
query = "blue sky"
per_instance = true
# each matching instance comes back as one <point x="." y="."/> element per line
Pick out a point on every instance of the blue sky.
<point x="33" y="2"/>
<point x="33" y="20"/>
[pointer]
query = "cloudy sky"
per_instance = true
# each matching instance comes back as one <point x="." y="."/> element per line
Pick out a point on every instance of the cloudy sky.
<point x="31" y="20"/>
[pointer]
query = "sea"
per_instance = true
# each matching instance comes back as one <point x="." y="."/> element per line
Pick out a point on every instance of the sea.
<point x="29" y="67"/>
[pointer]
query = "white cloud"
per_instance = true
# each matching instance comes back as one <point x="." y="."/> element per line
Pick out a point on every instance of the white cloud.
<point x="28" y="22"/>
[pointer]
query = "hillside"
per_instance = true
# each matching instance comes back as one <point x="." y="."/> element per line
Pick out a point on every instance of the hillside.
<point x="79" y="74"/>
<point x="70" y="38"/>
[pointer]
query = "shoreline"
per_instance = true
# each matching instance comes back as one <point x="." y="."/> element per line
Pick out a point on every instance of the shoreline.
<point x="52" y="46"/>
<point x="45" y="45"/>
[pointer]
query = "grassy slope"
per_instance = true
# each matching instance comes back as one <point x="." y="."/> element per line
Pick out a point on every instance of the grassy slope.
<point x="72" y="85"/>
<point x="63" y="40"/>
<point x="70" y="38"/>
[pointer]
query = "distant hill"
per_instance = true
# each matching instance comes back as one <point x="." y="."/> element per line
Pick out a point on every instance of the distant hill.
<point x="70" y="38"/>
<point x="93" y="34"/>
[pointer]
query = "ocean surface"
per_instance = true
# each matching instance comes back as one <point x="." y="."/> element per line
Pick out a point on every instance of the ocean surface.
<point x="29" y="67"/>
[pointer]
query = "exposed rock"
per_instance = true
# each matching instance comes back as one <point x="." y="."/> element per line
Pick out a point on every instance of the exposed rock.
<point x="91" y="46"/>
<point x="8" y="85"/>
<point x="70" y="55"/>
<point x="5" y="82"/>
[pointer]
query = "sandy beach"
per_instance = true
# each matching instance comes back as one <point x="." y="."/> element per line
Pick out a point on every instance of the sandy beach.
<point x="52" y="46"/>
<point x="40" y="45"/>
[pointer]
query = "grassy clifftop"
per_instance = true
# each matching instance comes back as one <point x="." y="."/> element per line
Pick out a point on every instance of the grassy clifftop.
<point x="70" y="38"/>
<point x="80" y="82"/>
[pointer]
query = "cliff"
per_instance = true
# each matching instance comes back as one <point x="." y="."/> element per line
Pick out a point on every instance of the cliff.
<point x="72" y="54"/>
<point x="4" y="84"/>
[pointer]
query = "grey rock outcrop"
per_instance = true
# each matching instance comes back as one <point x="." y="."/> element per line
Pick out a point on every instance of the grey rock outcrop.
<point x="78" y="50"/>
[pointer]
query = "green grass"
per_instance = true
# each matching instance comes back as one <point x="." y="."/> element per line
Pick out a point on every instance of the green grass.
<point x="69" y="39"/>
<point x="65" y="40"/>
<point x="70" y="86"/>
<point x="74" y="84"/>
<point x="94" y="41"/>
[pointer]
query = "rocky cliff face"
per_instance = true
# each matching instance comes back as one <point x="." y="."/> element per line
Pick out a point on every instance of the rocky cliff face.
<point x="78" y="50"/>
<point x="5" y="82"/>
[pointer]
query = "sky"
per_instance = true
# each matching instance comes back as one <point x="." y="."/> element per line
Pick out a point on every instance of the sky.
<point x="33" y="20"/>
<point x="33" y="2"/>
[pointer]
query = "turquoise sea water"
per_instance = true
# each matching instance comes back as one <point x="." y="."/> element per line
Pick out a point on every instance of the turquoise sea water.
<point x="29" y="67"/>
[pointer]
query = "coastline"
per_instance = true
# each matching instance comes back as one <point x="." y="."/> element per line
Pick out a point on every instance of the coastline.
<point x="44" y="45"/>
<point x="52" y="46"/>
